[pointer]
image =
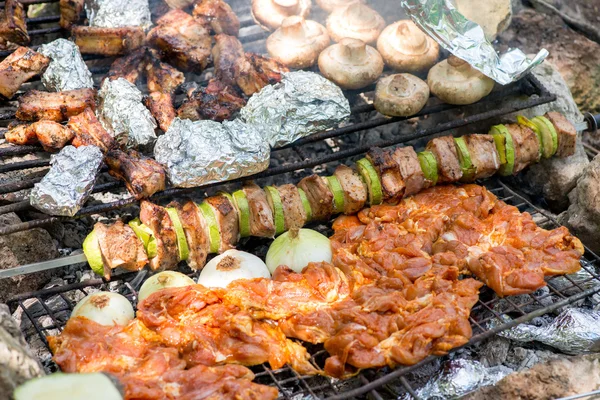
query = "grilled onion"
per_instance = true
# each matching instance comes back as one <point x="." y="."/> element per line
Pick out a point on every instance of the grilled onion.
<point x="105" y="308"/>
<point x="298" y="247"/>
<point x="163" y="280"/>
<point x="230" y="266"/>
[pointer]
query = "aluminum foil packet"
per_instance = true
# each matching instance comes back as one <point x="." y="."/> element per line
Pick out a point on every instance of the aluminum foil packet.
<point x="200" y="152"/>
<point x="67" y="70"/>
<point x="69" y="182"/>
<point x="122" y="113"/>
<point x="118" y="13"/>
<point x="466" y="40"/>
<point x="301" y="104"/>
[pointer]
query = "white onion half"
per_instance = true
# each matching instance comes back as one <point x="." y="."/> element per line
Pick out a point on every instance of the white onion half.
<point x="105" y="308"/>
<point x="298" y="248"/>
<point x="230" y="266"/>
<point x="163" y="280"/>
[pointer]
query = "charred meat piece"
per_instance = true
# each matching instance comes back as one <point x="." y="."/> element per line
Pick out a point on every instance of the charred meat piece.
<point x="484" y="155"/>
<point x="389" y="174"/>
<point x="89" y="131"/>
<point x="129" y="67"/>
<point x="227" y="221"/>
<point x="526" y="145"/>
<point x="55" y="106"/>
<point x="319" y="196"/>
<point x="218" y="15"/>
<point x="567" y="134"/>
<point x="444" y="150"/>
<point x="183" y="41"/>
<point x="217" y="101"/>
<point x="195" y="234"/>
<point x="261" y="217"/>
<point x="142" y="175"/>
<point x="271" y="70"/>
<point x="162" y="77"/>
<point x="355" y="190"/>
<point x="21" y="135"/>
<point x="51" y="135"/>
<point x="158" y="220"/>
<point x="293" y="210"/>
<point x="410" y="169"/>
<point x="161" y="107"/>
<point x="120" y="247"/>
<point x="22" y="65"/>
<point x="108" y="41"/>
<point x="70" y="10"/>
<point x="13" y="27"/>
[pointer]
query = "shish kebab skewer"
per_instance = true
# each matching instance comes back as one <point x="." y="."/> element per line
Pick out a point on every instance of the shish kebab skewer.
<point x="162" y="237"/>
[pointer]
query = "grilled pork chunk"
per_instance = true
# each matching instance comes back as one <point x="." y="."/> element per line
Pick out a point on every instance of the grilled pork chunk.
<point x="355" y="190"/>
<point x="526" y="145"/>
<point x="227" y="221"/>
<point x="51" y="135"/>
<point x="410" y="170"/>
<point x="389" y="174"/>
<point x="90" y="132"/>
<point x="13" y="27"/>
<point x="158" y="220"/>
<point x="216" y="101"/>
<point x="261" y="217"/>
<point x="293" y="210"/>
<point x="131" y="66"/>
<point x="484" y="155"/>
<point x="183" y="41"/>
<point x="195" y="232"/>
<point x="21" y="135"/>
<point x="55" y="106"/>
<point x="162" y="77"/>
<point x="70" y="10"/>
<point x="444" y="150"/>
<point x="218" y="15"/>
<point x="271" y="70"/>
<point x="120" y="247"/>
<point x="22" y="65"/>
<point x="319" y="196"/>
<point x="107" y="41"/>
<point x="161" y="107"/>
<point x="142" y="175"/>
<point x="567" y="134"/>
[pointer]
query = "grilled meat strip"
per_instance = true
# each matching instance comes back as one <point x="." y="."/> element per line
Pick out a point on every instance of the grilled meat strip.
<point x="22" y="65"/>
<point x="120" y="247"/>
<point x="142" y="175"/>
<point x="355" y="190"/>
<point x="51" y="135"/>
<point x="261" y="217"/>
<point x="55" y="106"/>
<point x="227" y="221"/>
<point x="217" y="101"/>
<point x="90" y="132"/>
<point x="183" y="41"/>
<point x="526" y="146"/>
<point x="196" y="235"/>
<point x="108" y="41"/>
<point x="567" y="135"/>
<point x="444" y="150"/>
<point x="319" y="196"/>
<point x="13" y="27"/>
<point x="161" y="107"/>
<point x="131" y="66"/>
<point x="410" y="170"/>
<point x="484" y="155"/>
<point x="218" y="15"/>
<point x="70" y="10"/>
<point x="162" y="77"/>
<point x="270" y="69"/>
<point x="158" y="220"/>
<point x="293" y="210"/>
<point x="389" y="174"/>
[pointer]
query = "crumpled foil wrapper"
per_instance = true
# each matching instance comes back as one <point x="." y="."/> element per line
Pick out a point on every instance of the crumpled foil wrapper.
<point x="122" y="112"/>
<point x="201" y="152"/>
<point x="573" y="331"/>
<point x="118" y="13"/>
<point x="466" y="40"/>
<point x="69" y="182"/>
<point x="67" y="70"/>
<point x="301" y="104"/>
<point x="459" y="377"/>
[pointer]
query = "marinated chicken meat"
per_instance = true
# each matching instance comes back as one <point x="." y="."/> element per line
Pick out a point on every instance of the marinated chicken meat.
<point x="182" y="40"/>
<point x="70" y="10"/>
<point x="484" y="155"/>
<point x="355" y="190"/>
<point x="131" y="66"/>
<point x="444" y="150"/>
<point x="567" y="135"/>
<point x="162" y="77"/>
<point x="196" y="234"/>
<point x="526" y="146"/>
<point x="120" y="248"/>
<point x="410" y="170"/>
<point x="142" y="175"/>
<point x="89" y="131"/>
<point x="13" y="27"/>
<point x="51" y="135"/>
<point x="227" y="221"/>
<point x="261" y="218"/>
<point x="55" y="106"/>
<point x="217" y="101"/>
<point x="388" y="171"/>
<point x="319" y="196"/>
<point x="158" y="220"/>
<point x="270" y="69"/>
<point x="20" y="66"/>
<point x="218" y="15"/>
<point x="108" y="42"/>
<point x="161" y="107"/>
<point x="293" y="211"/>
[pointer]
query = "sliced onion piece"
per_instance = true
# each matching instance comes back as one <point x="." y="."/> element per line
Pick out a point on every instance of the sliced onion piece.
<point x="105" y="308"/>
<point x="369" y="175"/>
<point x="182" y="244"/>
<point x="163" y="280"/>
<point x="297" y="248"/>
<point x="241" y="203"/>
<point x="58" y="386"/>
<point x="214" y="235"/>
<point x="305" y="204"/>
<point x="274" y="200"/>
<point x="338" y="193"/>
<point x="230" y="266"/>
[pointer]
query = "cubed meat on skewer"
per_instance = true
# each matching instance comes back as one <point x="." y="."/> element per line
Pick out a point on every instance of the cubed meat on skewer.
<point x="444" y="151"/>
<point x="567" y="134"/>
<point x="227" y="220"/>
<point x="158" y="220"/>
<point x="70" y="10"/>
<point x="355" y="190"/>
<point x="16" y="69"/>
<point x="484" y="155"/>
<point x="120" y="247"/>
<point x="410" y="170"/>
<point x="294" y="214"/>
<point x="261" y="217"/>
<point x="13" y="27"/>
<point x="131" y="66"/>
<point x="142" y="175"/>
<point x="526" y="146"/>
<point x="196" y="234"/>
<point x="319" y="196"/>
<point x="51" y="135"/>
<point x="108" y="41"/>
<point x="55" y="106"/>
<point x="161" y="107"/>
<point x="217" y="101"/>
<point x="389" y="174"/>
<point x="90" y="132"/>
<point x="218" y="15"/>
<point x="162" y="77"/>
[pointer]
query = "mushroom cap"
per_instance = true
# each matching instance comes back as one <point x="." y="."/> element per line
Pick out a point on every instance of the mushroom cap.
<point x="351" y="64"/>
<point x="297" y="43"/>
<point x="400" y="95"/>
<point x="356" y="21"/>
<point x="407" y="48"/>
<point x="332" y="5"/>
<point x="269" y="14"/>
<point x="454" y="81"/>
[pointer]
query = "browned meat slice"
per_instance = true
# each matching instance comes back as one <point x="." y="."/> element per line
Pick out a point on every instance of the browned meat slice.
<point x="567" y="134"/>
<point x="319" y="196"/>
<point x="184" y="41"/>
<point x="526" y="144"/>
<point x="22" y="65"/>
<point x="142" y="175"/>
<point x="271" y="70"/>
<point x="70" y="10"/>
<point x="227" y="221"/>
<point x="195" y="234"/>
<point x="218" y="15"/>
<point x="410" y="170"/>
<point x="162" y="77"/>
<point x="158" y="220"/>
<point x="261" y="217"/>
<point x="21" y="134"/>
<point x="120" y="247"/>
<point x="293" y="210"/>
<point x="389" y="174"/>
<point x="355" y="190"/>
<point x="129" y="67"/>
<point x="89" y="131"/>
<point x="161" y="107"/>
<point x="484" y="155"/>
<point x="107" y="41"/>
<point x="444" y="150"/>
<point x="51" y="135"/>
<point x="13" y="27"/>
<point x="217" y="101"/>
<point x="55" y="106"/>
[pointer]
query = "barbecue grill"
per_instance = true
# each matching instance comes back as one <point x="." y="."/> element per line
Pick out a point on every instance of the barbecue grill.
<point x="45" y="312"/>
